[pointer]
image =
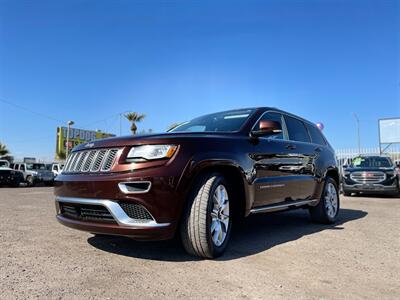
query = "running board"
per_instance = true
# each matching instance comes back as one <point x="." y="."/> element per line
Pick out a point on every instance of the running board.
<point x="281" y="206"/>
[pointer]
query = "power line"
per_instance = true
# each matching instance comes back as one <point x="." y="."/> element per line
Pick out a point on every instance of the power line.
<point x="107" y="118"/>
<point x="30" y="110"/>
<point x="55" y="119"/>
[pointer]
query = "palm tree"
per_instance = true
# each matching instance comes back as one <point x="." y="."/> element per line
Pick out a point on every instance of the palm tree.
<point x="134" y="118"/>
<point x="3" y="150"/>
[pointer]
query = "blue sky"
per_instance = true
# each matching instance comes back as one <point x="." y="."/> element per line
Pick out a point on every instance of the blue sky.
<point x="174" y="60"/>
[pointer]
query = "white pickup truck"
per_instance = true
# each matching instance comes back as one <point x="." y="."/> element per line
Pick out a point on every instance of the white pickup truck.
<point x="35" y="173"/>
<point x="56" y="168"/>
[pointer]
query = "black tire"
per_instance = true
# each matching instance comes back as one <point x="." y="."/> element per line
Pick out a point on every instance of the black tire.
<point x="321" y="213"/>
<point x="16" y="183"/>
<point x="196" y="223"/>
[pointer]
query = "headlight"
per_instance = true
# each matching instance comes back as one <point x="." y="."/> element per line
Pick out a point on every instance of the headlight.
<point x="150" y="152"/>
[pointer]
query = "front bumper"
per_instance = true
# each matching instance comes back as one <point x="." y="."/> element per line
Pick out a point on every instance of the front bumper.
<point x="370" y="188"/>
<point x="163" y="200"/>
<point x="123" y="225"/>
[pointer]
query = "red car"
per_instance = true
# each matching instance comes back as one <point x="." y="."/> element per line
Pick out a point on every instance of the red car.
<point x="199" y="178"/>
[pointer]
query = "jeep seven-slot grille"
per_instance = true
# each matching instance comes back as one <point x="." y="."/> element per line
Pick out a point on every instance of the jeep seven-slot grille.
<point x="100" y="160"/>
<point x="86" y="212"/>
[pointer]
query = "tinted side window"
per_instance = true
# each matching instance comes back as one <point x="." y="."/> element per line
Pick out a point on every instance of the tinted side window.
<point x="316" y="135"/>
<point x="271" y="116"/>
<point x="296" y="130"/>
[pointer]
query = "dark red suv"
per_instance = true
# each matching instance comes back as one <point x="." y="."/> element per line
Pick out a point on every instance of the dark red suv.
<point x="199" y="178"/>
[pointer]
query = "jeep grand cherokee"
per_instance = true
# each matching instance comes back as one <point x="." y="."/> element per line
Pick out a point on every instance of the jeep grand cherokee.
<point x="199" y="178"/>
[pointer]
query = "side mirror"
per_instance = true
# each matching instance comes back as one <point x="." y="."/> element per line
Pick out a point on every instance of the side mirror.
<point x="267" y="127"/>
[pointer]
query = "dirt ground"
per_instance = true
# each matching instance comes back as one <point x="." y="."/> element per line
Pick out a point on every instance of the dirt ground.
<point x="274" y="256"/>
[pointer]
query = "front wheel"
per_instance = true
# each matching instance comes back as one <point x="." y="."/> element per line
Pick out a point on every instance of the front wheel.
<point x="327" y="210"/>
<point x="16" y="182"/>
<point x="207" y="221"/>
<point x="30" y="182"/>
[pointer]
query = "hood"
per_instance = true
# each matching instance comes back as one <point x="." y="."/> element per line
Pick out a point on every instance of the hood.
<point x="167" y="137"/>
<point x="6" y="168"/>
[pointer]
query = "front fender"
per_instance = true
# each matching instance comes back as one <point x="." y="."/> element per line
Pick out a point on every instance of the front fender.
<point x="214" y="161"/>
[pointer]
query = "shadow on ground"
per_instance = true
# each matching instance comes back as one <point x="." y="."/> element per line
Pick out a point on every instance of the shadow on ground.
<point x="256" y="234"/>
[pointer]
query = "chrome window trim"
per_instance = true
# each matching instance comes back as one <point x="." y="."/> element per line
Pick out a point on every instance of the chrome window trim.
<point x="284" y="129"/>
<point x="116" y="211"/>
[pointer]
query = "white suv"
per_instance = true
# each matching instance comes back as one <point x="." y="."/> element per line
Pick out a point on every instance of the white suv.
<point x="35" y="173"/>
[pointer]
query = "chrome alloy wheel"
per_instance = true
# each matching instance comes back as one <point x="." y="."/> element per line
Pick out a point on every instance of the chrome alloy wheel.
<point x="331" y="200"/>
<point x="220" y="215"/>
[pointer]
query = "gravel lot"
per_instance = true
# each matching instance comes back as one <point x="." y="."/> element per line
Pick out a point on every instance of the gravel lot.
<point x="272" y="256"/>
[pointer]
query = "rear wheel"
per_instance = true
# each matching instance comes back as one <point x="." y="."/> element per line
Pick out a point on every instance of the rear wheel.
<point x="207" y="222"/>
<point x="327" y="210"/>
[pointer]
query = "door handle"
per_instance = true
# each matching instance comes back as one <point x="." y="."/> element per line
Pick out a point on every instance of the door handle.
<point x="290" y="147"/>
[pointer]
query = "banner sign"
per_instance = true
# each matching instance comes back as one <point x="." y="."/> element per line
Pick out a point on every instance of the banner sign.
<point x="389" y="131"/>
<point x="76" y="137"/>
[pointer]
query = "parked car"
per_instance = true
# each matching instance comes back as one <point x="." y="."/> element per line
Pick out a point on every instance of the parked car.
<point x="397" y="169"/>
<point x="4" y="163"/>
<point x="56" y="168"/>
<point x="8" y="176"/>
<point x="34" y="173"/>
<point x="370" y="174"/>
<point x="199" y="178"/>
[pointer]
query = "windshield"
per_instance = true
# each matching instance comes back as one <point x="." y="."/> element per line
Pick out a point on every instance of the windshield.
<point x="371" y="162"/>
<point x="36" y="166"/>
<point x="227" y="121"/>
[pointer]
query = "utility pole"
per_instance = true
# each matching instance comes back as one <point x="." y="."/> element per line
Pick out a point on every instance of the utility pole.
<point x="120" y="117"/>
<point x="69" y="123"/>
<point x="358" y="132"/>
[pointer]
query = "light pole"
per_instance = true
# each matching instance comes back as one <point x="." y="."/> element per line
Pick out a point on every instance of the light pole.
<point x="358" y="133"/>
<point x="69" y="123"/>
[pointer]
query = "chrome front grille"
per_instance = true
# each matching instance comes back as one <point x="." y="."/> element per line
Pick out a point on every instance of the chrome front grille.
<point x="100" y="160"/>
<point x="368" y="177"/>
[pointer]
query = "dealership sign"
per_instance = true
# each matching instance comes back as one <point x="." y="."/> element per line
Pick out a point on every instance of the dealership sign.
<point x="389" y="131"/>
<point x="76" y="137"/>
